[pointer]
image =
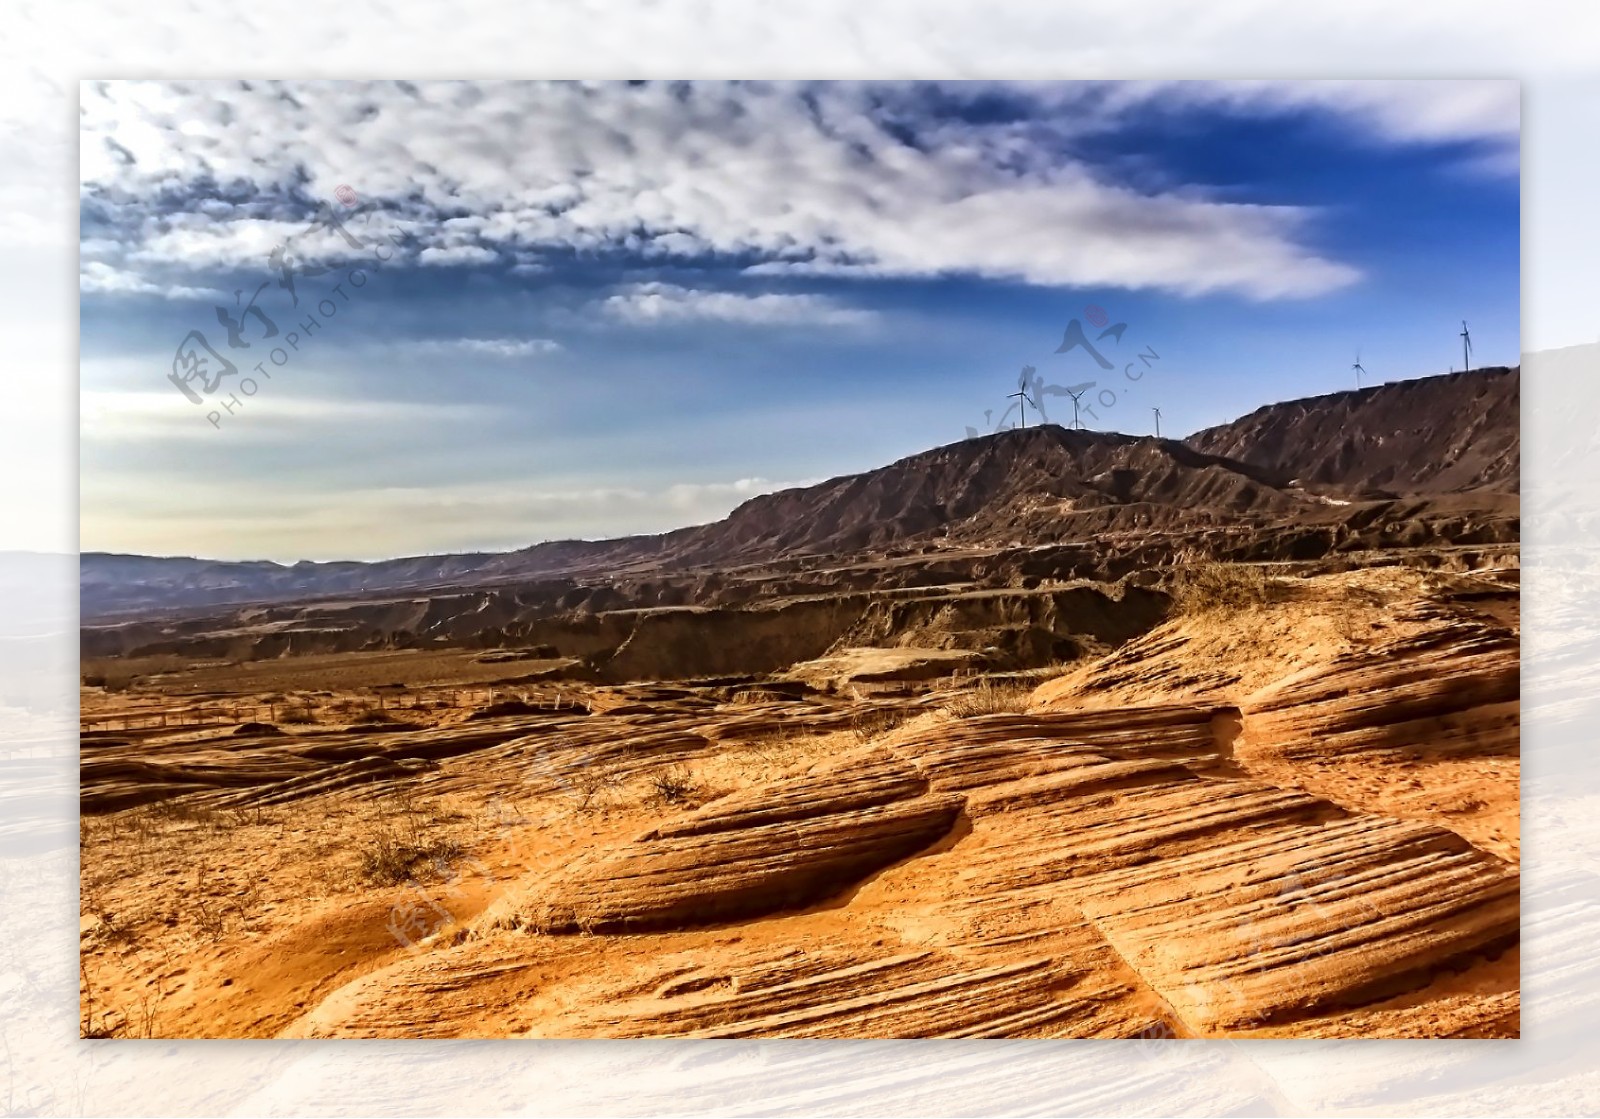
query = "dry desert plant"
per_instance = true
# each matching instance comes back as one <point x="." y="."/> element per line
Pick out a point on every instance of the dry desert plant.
<point x="208" y="911"/>
<point x="209" y="917"/>
<point x="673" y="785"/>
<point x="109" y="928"/>
<point x="90" y="1026"/>
<point x="388" y="860"/>
<point x="777" y="747"/>
<point x="148" y="1012"/>
<point x="181" y="811"/>
<point x="989" y="698"/>
<point x="402" y="842"/>
<point x="587" y="783"/>
<point x="1209" y="585"/>
<point x="868" y="724"/>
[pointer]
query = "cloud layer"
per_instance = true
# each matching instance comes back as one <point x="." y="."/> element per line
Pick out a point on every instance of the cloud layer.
<point x="857" y="179"/>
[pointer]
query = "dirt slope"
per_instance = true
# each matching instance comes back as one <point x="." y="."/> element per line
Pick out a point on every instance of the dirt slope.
<point x="1433" y="435"/>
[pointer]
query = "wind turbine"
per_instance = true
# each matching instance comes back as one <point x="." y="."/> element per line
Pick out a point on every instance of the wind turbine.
<point x="1466" y="348"/>
<point x="1157" y="411"/>
<point x="1077" y="396"/>
<point x="1358" y="368"/>
<point x="1022" y="393"/>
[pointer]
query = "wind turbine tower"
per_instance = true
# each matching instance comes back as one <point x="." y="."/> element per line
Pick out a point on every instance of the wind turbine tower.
<point x="1077" y="396"/>
<point x="1022" y="394"/>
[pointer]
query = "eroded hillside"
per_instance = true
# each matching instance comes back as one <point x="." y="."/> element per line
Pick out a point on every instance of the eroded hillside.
<point x="1431" y="461"/>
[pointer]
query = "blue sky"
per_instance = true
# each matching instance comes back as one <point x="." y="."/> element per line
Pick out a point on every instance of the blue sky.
<point x="614" y="308"/>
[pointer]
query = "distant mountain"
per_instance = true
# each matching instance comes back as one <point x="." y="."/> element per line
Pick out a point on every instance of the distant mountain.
<point x="114" y="583"/>
<point x="1014" y="482"/>
<point x="1448" y="434"/>
<point x="1039" y="485"/>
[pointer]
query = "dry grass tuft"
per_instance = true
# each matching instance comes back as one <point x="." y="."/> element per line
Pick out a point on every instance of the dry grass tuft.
<point x="869" y="724"/>
<point x="404" y="843"/>
<point x="990" y="699"/>
<point x="1209" y="586"/>
<point x="778" y="747"/>
<point x="390" y="860"/>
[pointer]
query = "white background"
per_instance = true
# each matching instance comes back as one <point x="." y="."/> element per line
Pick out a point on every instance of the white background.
<point x="45" y="49"/>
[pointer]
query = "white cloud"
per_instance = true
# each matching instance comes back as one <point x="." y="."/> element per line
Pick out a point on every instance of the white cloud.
<point x="527" y="266"/>
<point x="1393" y="112"/>
<point x="492" y="347"/>
<point x="692" y="496"/>
<point x="653" y="303"/>
<point x="198" y="241"/>
<point x="456" y="255"/>
<point x="99" y="278"/>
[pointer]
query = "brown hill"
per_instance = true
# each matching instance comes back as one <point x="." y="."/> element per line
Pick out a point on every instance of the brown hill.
<point x="981" y="488"/>
<point x="1045" y="485"/>
<point x="1433" y="435"/>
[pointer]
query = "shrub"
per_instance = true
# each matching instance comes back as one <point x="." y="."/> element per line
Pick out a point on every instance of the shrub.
<point x="590" y="785"/>
<point x="1210" y="586"/>
<point x="389" y="860"/>
<point x="673" y="785"/>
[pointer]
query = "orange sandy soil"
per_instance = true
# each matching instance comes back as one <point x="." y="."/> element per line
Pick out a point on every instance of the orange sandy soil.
<point x="1292" y="817"/>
